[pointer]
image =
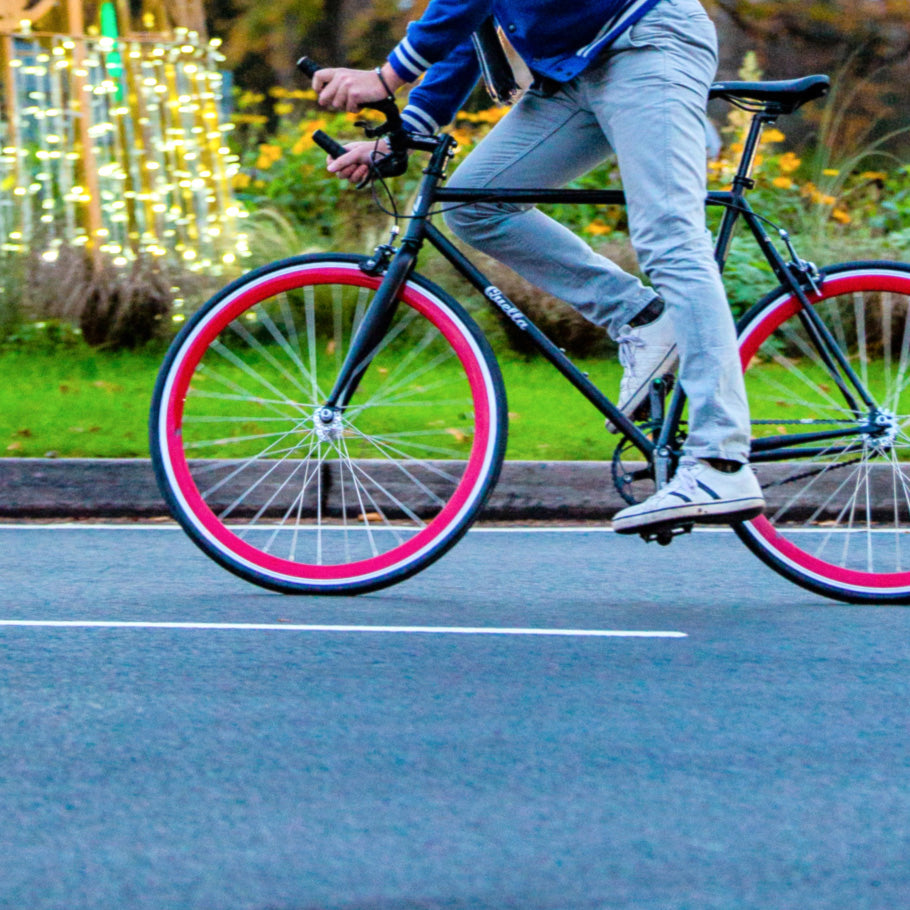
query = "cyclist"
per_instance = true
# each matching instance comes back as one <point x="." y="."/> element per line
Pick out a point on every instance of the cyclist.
<point x="628" y="75"/>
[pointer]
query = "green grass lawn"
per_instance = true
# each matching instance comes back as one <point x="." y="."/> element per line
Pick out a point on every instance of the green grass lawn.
<point x="84" y="403"/>
<point x="76" y="402"/>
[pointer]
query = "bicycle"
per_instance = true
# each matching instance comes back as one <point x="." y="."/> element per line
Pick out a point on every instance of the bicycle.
<point x="334" y="423"/>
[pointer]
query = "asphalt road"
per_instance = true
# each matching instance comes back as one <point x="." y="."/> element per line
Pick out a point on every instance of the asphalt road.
<point x="757" y="758"/>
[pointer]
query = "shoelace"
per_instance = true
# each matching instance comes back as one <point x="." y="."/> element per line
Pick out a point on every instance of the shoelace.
<point x="629" y="339"/>
<point x="684" y="479"/>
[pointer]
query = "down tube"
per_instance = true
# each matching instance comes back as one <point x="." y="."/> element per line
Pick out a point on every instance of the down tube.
<point x="546" y="347"/>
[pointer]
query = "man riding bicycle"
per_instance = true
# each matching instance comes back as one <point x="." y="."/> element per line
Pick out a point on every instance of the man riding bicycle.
<point x="631" y="76"/>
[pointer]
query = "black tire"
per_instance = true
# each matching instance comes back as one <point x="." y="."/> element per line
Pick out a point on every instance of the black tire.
<point x="837" y="521"/>
<point x="286" y="501"/>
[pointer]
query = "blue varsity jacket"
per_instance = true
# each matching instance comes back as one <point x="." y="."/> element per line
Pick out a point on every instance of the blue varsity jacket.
<point x="556" y="38"/>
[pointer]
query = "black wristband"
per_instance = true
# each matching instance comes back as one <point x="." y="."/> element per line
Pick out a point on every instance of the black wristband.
<point x="389" y="92"/>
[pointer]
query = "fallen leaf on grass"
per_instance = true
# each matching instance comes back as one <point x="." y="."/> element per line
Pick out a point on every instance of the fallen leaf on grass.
<point x="107" y="386"/>
<point x="14" y="447"/>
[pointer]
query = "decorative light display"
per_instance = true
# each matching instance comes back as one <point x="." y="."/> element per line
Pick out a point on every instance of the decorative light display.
<point x="117" y="143"/>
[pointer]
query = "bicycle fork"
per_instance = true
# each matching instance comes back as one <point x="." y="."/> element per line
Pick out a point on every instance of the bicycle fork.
<point x="369" y="335"/>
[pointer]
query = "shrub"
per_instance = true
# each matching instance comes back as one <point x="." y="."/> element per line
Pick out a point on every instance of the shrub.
<point x="46" y="299"/>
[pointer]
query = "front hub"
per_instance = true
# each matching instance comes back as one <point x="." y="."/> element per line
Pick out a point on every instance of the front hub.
<point x="328" y="424"/>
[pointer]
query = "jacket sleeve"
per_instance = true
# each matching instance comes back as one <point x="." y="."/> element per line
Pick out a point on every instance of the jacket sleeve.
<point x="443" y="27"/>
<point x="443" y="90"/>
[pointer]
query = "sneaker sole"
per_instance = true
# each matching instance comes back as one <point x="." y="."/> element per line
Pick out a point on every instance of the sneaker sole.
<point x="629" y="407"/>
<point x="704" y="513"/>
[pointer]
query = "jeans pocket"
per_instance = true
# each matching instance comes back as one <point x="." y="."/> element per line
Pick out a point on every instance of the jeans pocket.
<point x="673" y="21"/>
<point x="685" y="36"/>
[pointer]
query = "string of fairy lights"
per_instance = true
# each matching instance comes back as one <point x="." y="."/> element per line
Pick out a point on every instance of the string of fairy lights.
<point x="119" y="144"/>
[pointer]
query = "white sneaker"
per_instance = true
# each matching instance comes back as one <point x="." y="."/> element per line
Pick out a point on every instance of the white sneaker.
<point x="696" y="493"/>
<point x="646" y="353"/>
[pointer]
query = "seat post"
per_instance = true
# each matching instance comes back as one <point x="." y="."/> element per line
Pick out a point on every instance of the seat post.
<point x="743" y="180"/>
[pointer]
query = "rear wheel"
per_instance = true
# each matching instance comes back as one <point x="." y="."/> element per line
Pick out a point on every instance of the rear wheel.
<point x="838" y="510"/>
<point x="297" y="498"/>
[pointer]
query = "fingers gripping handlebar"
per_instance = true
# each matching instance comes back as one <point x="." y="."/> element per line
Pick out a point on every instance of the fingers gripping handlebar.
<point x="392" y="165"/>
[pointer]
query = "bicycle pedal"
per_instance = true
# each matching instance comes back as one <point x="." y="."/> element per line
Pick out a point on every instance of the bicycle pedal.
<point x="664" y="534"/>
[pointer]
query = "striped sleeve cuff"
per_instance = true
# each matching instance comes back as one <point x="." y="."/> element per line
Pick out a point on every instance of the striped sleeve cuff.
<point x="418" y="121"/>
<point x="407" y="63"/>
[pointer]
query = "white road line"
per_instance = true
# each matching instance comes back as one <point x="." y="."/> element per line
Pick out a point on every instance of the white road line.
<point x="292" y="627"/>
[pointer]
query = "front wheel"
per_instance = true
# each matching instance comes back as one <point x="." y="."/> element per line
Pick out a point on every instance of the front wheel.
<point x="292" y="497"/>
<point x="838" y="508"/>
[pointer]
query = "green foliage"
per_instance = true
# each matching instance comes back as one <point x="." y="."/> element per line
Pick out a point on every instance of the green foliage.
<point x="62" y="398"/>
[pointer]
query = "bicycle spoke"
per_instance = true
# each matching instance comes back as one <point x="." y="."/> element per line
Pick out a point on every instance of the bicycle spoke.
<point x="302" y="499"/>
<point x="853" y="493"/>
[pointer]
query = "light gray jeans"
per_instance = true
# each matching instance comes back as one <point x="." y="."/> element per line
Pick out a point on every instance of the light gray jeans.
<point x="645" y="99"/>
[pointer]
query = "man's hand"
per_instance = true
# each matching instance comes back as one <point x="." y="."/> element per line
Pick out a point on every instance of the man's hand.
<point x="348" y="90"/>
<point x="354" y="165"/>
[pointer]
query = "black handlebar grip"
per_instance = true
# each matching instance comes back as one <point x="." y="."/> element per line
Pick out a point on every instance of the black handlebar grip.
<point x="308" y="67"/>
<point x="328" y="144"/>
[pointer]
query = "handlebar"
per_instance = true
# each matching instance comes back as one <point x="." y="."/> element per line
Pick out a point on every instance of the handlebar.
<point x="392" y="165"/>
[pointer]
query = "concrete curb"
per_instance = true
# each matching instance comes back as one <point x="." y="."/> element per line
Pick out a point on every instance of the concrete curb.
<point x="527" y="490"/>
<point x="126" y="487"/>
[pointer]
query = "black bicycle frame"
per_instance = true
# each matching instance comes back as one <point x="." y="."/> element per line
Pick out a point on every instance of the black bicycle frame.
<point x="419" y="230"/>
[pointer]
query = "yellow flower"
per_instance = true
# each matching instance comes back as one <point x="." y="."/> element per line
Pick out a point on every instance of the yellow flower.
<point x="873" y="175"/>
<point x="598" y="227"/>
<point x="241" y="181"/>
<point x="462" y="136"/>
<point x="788" y="163"/>
<point x="268" y="155"/>
<point x="310" y="126"/>
<point x="492" y="114"/>
<point x="782" y="183"/>
<point x="283" y="108"/>
<point x="302" y="144"/>
<point x="773" y="135"/>
<point x="831" y="172"/>
<point x="248" y="99"/>
<point x="827" y="200"/>
<point x="255" y="119"/>
<point x="842" y="216"/>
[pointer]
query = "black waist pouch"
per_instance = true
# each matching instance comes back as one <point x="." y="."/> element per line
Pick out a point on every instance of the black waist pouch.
<point x="495" y="68"/>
